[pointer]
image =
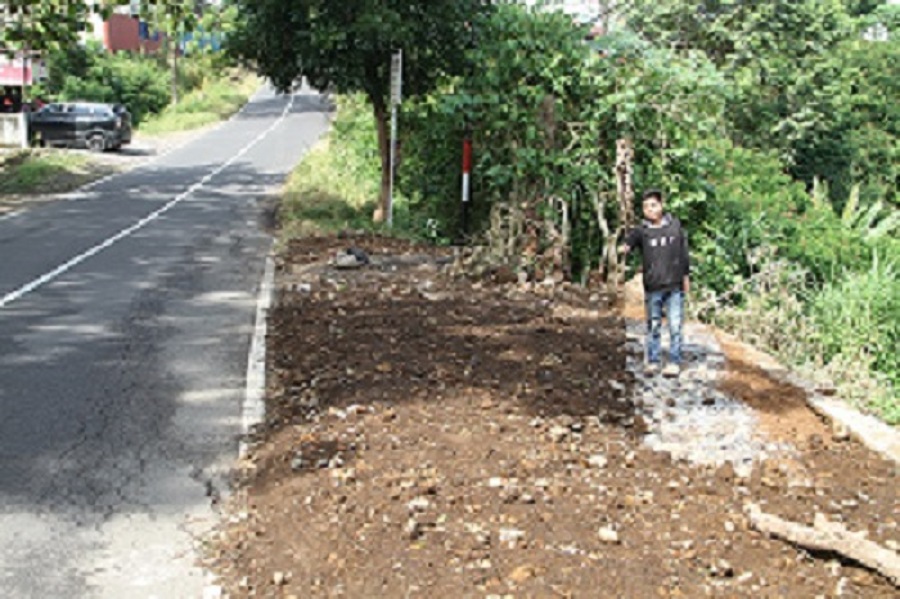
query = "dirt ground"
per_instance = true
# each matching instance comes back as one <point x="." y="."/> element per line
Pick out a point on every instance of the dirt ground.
<point x="429" y="436"/>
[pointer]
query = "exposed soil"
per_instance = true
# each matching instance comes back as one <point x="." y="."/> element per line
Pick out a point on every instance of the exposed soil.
<point x="434" y="437"/>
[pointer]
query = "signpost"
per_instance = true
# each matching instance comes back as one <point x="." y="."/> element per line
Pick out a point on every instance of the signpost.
<point x="396" y="98"/>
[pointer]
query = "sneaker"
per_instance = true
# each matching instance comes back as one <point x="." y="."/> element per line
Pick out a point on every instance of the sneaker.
<point x="651" y="368"/>
<point x="672" y="370"/>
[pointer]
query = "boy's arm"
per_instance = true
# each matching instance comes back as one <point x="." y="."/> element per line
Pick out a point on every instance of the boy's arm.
<point x="687" y="261"/>
<point x="632" y="240"/>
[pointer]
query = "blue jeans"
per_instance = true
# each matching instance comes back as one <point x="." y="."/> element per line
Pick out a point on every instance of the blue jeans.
<point x="674" y="309"/>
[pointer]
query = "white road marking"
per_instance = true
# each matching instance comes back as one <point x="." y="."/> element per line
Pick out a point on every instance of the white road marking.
<point x="61" y="269"/>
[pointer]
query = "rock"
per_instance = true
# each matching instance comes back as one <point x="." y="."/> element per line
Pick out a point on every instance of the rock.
<point x="213" y="591"/>
<point x="721" y="569"/>
<point x="839" y="431"/>
<point x="297" y="463"/>
<point x="346" y="261"/>
<point x="729" y="526"/>
<point x="522" y="573"/>
<point x="598" y="460"/>
<point x="558" y="433"/>
<point x="413" y="529"/>
<point x="608" y="535"/>
<point x="827" y="389"/>
<point x="360" y="255"/>
<point x="511" y="535"/>
<point x="419" y="504"/>
<point x="279" y="579"/>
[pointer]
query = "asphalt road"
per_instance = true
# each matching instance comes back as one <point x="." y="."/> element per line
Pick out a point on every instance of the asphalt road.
<point x="126" y="315"/>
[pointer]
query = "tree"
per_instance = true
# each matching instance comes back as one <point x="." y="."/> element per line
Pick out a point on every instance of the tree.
<point x="173" y="19"/>
<point x="347" y="46"/>
<point x="786" y="65"/>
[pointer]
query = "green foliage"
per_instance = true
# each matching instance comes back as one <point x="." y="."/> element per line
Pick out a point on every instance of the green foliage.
<point x="859" y="315"/>
<point x="135" y="81"/>
<point x="336" y="185"/>
<point x="805" y="82"/>
<point x="546" y="110"/>
<point x="214" y="101"/>
<point x="55" y="24"/>
<point x="750" y="203"/>
<point x="347" y="46"/>
<point x="31" y="172"/>
<point x="142" y="83"/>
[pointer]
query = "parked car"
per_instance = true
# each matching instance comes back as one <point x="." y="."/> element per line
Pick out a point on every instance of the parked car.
<point x="97" y="127"/>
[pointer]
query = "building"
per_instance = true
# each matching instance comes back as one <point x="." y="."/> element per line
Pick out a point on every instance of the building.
<point x="124" y="31"/>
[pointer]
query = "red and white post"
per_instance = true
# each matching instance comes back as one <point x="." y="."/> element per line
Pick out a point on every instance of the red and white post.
<point x="467" y="169"/>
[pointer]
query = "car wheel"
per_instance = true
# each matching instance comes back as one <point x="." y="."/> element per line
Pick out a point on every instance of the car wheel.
<point x="96" y="143"/>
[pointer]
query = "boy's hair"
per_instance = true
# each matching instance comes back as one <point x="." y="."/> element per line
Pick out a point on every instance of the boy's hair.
<point x="653" y="193"/>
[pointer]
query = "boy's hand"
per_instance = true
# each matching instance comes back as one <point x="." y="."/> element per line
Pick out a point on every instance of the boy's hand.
<point x="623" y="249"/>
<point x="687" y="284"/>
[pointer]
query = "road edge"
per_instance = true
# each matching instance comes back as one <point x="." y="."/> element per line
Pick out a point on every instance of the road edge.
<point x="77" y="193"/>
<point x="868" y="430"/>
<point x="253" y="409"/>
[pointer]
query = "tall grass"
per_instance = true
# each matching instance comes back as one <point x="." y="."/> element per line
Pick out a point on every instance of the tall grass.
<point x="45" y="171"/>
<point x="336" y="185"/>
<point x="847" y="332"/>
<point x="215" y="100"/>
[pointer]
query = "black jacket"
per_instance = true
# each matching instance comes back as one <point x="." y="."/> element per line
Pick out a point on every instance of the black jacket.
<point x="664" y="249"/>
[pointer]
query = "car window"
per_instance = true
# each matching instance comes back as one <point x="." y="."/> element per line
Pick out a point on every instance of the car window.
<point x="83" y="109"/>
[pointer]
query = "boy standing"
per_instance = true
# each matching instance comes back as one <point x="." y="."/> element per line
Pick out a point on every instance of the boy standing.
<point x="664" y="249"/>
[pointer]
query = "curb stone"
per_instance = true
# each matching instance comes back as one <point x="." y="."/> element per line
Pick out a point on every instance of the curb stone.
<point x="868" y="430"/>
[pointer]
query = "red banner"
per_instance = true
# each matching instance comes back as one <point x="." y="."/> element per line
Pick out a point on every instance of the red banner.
<point x="11" y="73"/>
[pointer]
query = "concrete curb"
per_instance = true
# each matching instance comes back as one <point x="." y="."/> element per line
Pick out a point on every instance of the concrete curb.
<point x="868" y="430"/>
<point x="253" y="411"/>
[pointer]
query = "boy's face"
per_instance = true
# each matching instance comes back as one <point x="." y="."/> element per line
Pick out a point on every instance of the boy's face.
<point x="652" y="209"/>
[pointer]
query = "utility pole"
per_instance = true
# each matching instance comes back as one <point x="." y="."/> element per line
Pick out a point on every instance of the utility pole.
<point x="467" y="141"/>
<point x="396" y="98"/>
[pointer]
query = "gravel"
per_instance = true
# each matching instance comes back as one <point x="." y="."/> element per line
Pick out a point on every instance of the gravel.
<point x="688" y="416"/>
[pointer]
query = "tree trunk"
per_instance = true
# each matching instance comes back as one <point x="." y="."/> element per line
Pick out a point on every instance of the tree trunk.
<point x="174" y="70"/>
<point x="831" y="537"/>
<point x="625" y="181"/>
<point x="625" y="199"/>
<point x="384" y="149"/>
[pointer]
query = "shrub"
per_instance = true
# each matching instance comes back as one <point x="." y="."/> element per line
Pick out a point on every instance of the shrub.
<point x="135" y="81"/>
<point x="859" y="316"/>
<point x="337" y="183"/>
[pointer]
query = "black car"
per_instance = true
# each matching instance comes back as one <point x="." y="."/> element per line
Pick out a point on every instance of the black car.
<point x="97" y="127"/>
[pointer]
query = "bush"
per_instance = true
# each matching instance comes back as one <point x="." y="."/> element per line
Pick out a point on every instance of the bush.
<point x="846" y="333"/>
<point x="142" y="83"/>
<point x="137" y="82"/>
<point x="336" y="185"/>
<point x="859" y="316"/>
<point x="212" y="102"/>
